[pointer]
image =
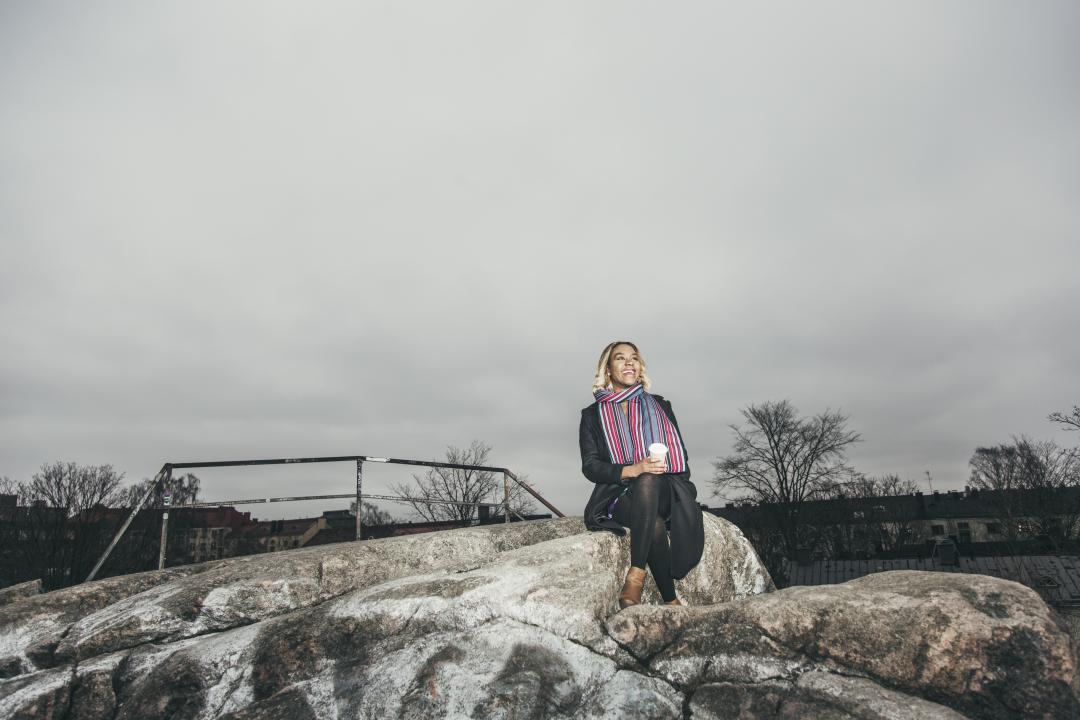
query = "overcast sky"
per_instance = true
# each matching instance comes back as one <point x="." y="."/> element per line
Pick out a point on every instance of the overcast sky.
<point x="264" y="229"/>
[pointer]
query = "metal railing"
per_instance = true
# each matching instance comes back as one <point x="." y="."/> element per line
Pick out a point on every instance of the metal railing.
<point x="165" y="474"/>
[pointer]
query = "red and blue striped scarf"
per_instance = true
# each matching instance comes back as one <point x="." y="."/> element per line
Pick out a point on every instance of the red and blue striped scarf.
<point x="628" y="435"/>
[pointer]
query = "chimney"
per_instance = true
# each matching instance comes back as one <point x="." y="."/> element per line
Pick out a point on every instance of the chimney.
<point x="802" y="556"/>
<point x="947" y="554"/>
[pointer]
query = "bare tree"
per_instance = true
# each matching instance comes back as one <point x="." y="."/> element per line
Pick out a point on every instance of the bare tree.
<point x="866" y="518"/>
<point x="996" y="471"/>
<point x="9" y="534"/>
<point x="74" y="488"/>
<point x="1070" y="421"/>
<point x="1033" y="487"/>
<point x="782" y="460"/>
<point x="139" y="548"/>
<point x="182" y="489"/>
<point x="1051" y="503"/>
<point x="371" y="514"/>
<point x="466" y="487"/>
<point x="61" y="528"/>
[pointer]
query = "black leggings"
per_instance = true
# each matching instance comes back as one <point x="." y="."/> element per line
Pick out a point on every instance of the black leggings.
<point x="644" y="511"/>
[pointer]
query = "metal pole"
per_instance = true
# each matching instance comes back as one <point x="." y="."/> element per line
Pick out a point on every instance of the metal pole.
<point x="124" y="527"/>
<point x="339" y="496"/>
<point x="164" y="539"/>
<point x="368" y="458"/>
<point x="506" y="498"/>
<point x="165" y="522"/>
<point x="528" y="488"/>
<point x="359" y="506"/>
<point x="167" y="468"/>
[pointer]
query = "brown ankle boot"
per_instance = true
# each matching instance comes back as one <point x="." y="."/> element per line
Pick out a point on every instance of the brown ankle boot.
<point x="631" y="589"/>
<point x="676" y="601"/>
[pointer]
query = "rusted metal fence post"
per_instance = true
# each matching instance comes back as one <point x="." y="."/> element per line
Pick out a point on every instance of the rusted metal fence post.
<point x="529" y="489"/>
<point x="506" y="498"/>
<point x="165" y="521"/>
<point x="359" y="501"/>
<point x="131" y="516"/>
<point x="165" y="474"/>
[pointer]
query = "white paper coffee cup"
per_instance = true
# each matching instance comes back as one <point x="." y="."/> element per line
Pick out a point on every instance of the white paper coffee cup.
<point x="658" y="451"/>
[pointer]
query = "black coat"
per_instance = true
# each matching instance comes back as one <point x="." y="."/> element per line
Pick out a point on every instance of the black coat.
<point x="685" y="524"/>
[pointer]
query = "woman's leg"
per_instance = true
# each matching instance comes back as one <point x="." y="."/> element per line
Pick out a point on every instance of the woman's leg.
<point x="660" y="561"/>
<point x="644" y="511"/>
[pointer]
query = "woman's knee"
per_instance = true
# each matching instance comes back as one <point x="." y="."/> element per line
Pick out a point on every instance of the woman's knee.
<point x="651" y="481"/>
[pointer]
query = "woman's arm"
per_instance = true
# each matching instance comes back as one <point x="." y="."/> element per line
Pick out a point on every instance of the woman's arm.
<point x="595" y="465"/>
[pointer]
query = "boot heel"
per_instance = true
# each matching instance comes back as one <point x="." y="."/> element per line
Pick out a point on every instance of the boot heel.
<point x="631" y="589"/>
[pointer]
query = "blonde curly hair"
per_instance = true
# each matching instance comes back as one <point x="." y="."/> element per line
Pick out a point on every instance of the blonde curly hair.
<point x="602" y="379"/>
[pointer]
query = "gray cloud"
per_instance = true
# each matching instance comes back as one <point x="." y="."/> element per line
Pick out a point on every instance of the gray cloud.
<point x="270" y="229"/>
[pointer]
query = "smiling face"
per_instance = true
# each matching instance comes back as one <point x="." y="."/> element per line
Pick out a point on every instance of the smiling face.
<point x="624" y="367"/>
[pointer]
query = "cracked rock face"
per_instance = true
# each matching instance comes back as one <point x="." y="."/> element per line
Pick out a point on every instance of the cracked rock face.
<point x="19" y="592"/>
<point x="521" y="621"/>
<point x="988" y="648"/>
<point x="162" y="606"/>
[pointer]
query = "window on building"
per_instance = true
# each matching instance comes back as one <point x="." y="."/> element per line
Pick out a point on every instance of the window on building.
<point x="937" y="529"/>
<point x="993" y="528"/>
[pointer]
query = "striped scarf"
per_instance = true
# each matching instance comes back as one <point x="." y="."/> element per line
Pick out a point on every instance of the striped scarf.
<point x="628" y="435"/>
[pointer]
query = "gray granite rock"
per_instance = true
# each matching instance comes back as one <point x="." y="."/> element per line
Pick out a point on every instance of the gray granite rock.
<point x="21" y="591"/>
<point x="983" y="646"/>
<point x="504" y="622"/>
<point x="44" y="694"/>
<point x="31" y="628"/>
<point x="551" y="597"/>
<point x="817" y="695"/>
<point x="122" y="612"/>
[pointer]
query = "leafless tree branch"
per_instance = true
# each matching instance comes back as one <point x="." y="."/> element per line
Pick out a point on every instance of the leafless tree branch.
<point x="1070" y="421"/>
<point x="464" y="486"/>
<point x="780" y="458"/>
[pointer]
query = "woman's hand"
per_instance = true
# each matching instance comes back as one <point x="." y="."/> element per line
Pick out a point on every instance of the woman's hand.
<point x="648" y="465"/>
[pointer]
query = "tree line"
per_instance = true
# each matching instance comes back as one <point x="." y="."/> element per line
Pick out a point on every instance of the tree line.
<point x="60" y="523"/>
<point x="64" y="517"/>
<point x="793" y="471"/>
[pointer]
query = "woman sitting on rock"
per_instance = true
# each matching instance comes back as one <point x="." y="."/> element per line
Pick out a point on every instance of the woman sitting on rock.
<point x="645" y="490"/>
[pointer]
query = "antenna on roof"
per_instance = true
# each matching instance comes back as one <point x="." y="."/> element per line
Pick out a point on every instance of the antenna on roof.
<point x="929" y="482"/>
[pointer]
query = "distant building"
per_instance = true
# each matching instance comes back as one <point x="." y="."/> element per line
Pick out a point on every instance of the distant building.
<point x="205" y="538"/>
<point x="914" y="523"/>
<point x="341" y="527"/>
<point x="194" y="535"/>
<point x="272" y="535"/>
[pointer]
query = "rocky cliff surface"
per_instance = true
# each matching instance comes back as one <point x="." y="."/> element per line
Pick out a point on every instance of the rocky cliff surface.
<point x="520" y="621"/>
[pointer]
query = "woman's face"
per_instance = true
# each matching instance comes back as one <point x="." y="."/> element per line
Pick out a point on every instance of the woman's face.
<point x="624" y="367"/>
